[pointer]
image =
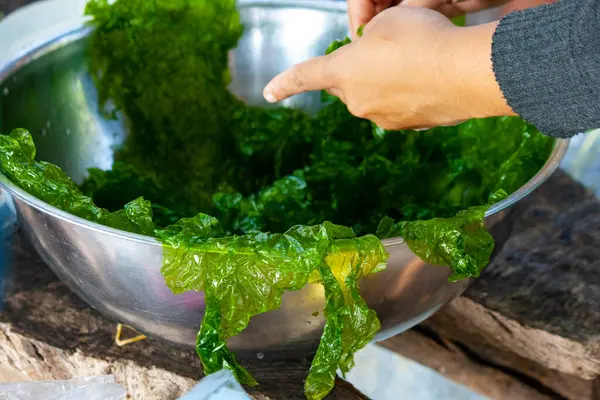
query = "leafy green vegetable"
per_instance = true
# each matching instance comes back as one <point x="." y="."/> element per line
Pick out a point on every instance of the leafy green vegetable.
<point x="350" y="324"/>
<point x="158" y="62"/>
<point x="49" y="183"/>
<point x="274" y="263"/>
<point x="461" y="241"/>
<point x="197" y="256"/>
<point x="213" y="177"/>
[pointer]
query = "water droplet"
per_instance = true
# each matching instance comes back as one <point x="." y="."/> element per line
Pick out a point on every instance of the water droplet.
<point x="48" y="123"/>
<point x="68" y="132"/>
<point x="43" y="133"/>
<point x="6" y="91"/>
<point x="260" y="356"/>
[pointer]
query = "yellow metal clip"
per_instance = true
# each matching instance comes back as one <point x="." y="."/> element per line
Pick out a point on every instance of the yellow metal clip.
<point x="124" y="342"/>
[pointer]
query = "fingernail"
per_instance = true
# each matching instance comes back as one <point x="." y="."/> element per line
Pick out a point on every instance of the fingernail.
<point x="270" y="97"/>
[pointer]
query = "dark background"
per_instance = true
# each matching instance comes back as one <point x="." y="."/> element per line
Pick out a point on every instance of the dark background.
<point x="7" y="6"/>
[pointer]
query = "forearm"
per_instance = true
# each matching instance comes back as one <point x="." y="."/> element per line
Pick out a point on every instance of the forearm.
<point x="547" y="63"/>
<point x="412" y="68"/>
<point x="470" y="71"/>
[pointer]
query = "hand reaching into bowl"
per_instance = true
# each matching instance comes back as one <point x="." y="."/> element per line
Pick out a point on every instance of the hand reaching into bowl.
<point x="413" y="68"/>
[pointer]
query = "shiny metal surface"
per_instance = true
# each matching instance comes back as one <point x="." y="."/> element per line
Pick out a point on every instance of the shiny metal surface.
<point x="48" y="91"/>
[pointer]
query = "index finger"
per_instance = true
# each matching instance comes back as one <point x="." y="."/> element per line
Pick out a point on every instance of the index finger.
<point x="313" y="74"/>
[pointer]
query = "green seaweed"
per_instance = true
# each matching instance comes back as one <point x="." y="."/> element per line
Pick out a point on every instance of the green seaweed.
<point x="240" y="194"/>
<point x="197" y="256"/>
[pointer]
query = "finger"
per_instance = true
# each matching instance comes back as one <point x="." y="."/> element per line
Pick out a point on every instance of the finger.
<point x="310" y="75"/>
<point x="360" y="12"/>
<point x="464" y="7"/>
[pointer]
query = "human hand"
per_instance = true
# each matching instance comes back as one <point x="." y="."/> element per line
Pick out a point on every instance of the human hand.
<point x="412" y="68"/>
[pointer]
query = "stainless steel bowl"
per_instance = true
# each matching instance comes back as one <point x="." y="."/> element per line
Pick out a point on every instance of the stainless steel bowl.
<point x="48" y="91"/>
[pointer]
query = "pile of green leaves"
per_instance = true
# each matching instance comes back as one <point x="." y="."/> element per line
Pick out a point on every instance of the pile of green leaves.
<point x="193" y="147"/>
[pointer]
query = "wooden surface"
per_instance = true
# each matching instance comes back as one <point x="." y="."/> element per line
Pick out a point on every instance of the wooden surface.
<point x="548" y="276"/>
<point x="534" y="314"/>
<point x="48" y="333"/>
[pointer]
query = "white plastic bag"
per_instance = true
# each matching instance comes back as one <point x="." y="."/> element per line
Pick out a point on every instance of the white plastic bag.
<point x="221" y="385"/>
<point x="94" y="388"/>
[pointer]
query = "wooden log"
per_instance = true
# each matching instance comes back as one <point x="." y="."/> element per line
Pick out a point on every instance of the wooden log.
<point x="535" y="312"/>
<point x="500" y="358"/>
<point x="450" y="360"/>
<point x="24" y="359"/>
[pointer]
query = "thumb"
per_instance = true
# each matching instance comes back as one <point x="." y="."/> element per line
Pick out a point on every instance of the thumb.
<point x="313" y="74"/>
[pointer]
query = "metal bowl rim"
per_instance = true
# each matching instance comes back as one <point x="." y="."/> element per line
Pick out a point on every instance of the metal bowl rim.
<point x="81" y="30"/>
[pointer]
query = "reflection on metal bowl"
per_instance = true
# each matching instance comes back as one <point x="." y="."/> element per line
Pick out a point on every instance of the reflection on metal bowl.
<point x="49" y="92"/>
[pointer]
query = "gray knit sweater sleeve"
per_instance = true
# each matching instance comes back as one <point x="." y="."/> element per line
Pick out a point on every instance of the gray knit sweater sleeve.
<point x="547" y="63"/>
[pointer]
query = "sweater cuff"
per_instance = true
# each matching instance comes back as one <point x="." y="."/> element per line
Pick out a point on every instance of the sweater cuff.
<point x="545" y="61"/>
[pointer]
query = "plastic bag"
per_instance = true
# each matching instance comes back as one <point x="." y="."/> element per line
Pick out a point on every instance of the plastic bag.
<point x="94" y="388"/>
<point x="221" y="385"/>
